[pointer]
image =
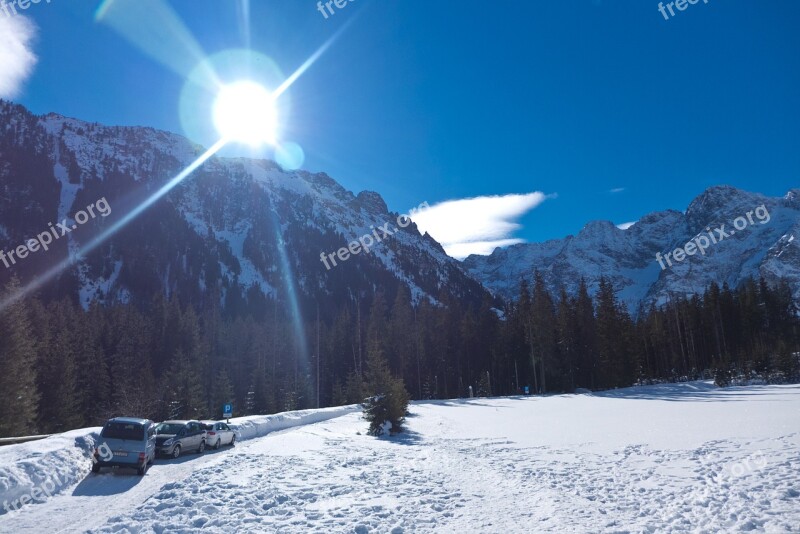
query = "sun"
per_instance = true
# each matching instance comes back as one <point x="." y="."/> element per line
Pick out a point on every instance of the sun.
<point x="245" y="112"/>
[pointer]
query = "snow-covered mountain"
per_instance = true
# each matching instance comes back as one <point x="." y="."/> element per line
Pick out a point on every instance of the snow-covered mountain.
<point x="235" y="231"/>
<point x="766" y="247"/>
<point x="238" y="230"/>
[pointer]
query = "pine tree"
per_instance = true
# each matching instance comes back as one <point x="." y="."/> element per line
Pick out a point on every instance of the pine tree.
<point x="614" y="331"/>
<point x="484" y="386"/>
<point x="585" y="338"/>
<point x="567" y="340"/>
<point x="184" y="390"/>
<point x="19" y="397"/>
<point x="92" y="380"/>
<point x="56" y="377"/>
<point x="388" y="398"/>
<point x="543" y="329"/>
<point x="222" y="392"/>
<point x="127" y="339"/>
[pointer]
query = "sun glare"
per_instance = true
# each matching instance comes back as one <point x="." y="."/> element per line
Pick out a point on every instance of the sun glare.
<point x="245" y="112"/>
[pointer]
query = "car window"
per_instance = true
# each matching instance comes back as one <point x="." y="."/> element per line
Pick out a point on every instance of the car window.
<point x="223" y="426"/>
<point x="171" y="428"/>
<point x="117" y="430"/>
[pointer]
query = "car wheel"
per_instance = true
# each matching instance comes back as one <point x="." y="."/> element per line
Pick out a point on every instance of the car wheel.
<point x="95" y="467"/>
<point x="233" y="440"/>
<point x="216" y="445"/>
<point x="176" y="451"/>
<point x="142" y="469"/>
<point x="201" y="448"/>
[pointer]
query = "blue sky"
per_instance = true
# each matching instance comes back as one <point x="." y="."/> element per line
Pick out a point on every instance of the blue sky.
<point x="426" y="100"/>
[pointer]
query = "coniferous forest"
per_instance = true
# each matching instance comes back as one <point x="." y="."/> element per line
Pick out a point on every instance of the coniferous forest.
<point x="65" y="367"/>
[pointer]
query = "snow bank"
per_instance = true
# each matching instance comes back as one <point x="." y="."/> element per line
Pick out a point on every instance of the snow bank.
<point x="35" y="471"/>
<point x="255" y="426"/>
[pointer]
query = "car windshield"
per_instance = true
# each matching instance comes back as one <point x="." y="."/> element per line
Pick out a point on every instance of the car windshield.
<point x="169" y="428"/>
<point x="115" y="430"/>
<point x="208" y="426"/>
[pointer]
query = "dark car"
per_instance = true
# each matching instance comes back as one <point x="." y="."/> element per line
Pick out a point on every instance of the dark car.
<point x="175" y="437"/>
<point x="126" y="442"/>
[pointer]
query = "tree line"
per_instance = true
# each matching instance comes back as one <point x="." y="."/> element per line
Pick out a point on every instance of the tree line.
<point x="63" y="366"/>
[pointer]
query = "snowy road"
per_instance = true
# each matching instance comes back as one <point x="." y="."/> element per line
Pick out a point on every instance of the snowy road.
<point x="679" y="458"/>
<point x="99" y="497"/>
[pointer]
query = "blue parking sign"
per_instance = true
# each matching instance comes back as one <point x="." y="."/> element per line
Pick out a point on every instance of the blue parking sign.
<point x="227" y="410"/>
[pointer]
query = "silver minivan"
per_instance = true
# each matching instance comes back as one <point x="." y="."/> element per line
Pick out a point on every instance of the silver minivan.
<point x="174" y="437"/>
<point x="126" y="442"/>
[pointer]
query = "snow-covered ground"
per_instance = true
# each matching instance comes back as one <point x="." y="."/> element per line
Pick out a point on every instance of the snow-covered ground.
<point x="683" y="458"/>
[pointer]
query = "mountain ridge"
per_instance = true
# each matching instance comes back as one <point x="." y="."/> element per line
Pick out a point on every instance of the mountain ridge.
<point x="234" y="223"/>
<point x="628" y="257"/>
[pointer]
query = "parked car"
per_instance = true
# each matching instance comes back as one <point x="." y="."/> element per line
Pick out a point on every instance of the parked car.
<point x="126" y="442"/>
<point x="218" y="434"/>
<point x="175" y="437"/>
<point x="236" y="431"/>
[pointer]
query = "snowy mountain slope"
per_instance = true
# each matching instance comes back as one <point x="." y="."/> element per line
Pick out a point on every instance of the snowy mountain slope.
<point x="672" y="458"/>
<point x="233" y="225"/>
<point x="628" y="257"/>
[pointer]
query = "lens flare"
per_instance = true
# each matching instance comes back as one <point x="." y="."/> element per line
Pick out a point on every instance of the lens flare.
<point x="245" y="112"/>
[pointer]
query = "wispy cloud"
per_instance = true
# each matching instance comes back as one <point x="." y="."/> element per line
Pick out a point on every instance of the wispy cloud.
<point x="16" y="57"/>
<point x="625" y="226"/>
<point x="616" y="190"/>
<point x="476" y="225"/>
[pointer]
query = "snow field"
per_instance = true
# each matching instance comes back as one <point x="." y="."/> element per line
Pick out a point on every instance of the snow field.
<point x="672" y="458"/>
<point x="667" y="458"/>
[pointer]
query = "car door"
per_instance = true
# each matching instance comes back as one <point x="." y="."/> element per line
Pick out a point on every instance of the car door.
<point x="192" y="436"/>
<point x="229" y="430"/>
<point x="185" y="438"/>
<point x="225" y="437"/>
<point x="199" y="433"/>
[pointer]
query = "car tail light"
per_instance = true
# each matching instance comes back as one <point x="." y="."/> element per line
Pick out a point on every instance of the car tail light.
<point x="212" y="433"/>
<point x="141" y="457"/>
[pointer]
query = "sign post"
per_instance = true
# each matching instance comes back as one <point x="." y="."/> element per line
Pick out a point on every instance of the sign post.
<point x="227" y="412"/>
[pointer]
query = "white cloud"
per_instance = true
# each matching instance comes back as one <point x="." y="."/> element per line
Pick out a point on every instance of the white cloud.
<point x="625" y="226"/>
<point x="616" y="190"/>
<point x="476" y="225"/>
<point x="16" y="57"/>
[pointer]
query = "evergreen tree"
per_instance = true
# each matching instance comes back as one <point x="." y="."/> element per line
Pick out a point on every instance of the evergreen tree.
<point x="585" y="339"/>
<point x="56" y="376"/>
<point x="543" y="330"/>
<point x="484" y="388"/>
<point x="19" y="398"/>
<point x="222" y="393"/>
<point x="388" y="399"/>
<point x="184" y="390"/>
<point x="92" y="380"/>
